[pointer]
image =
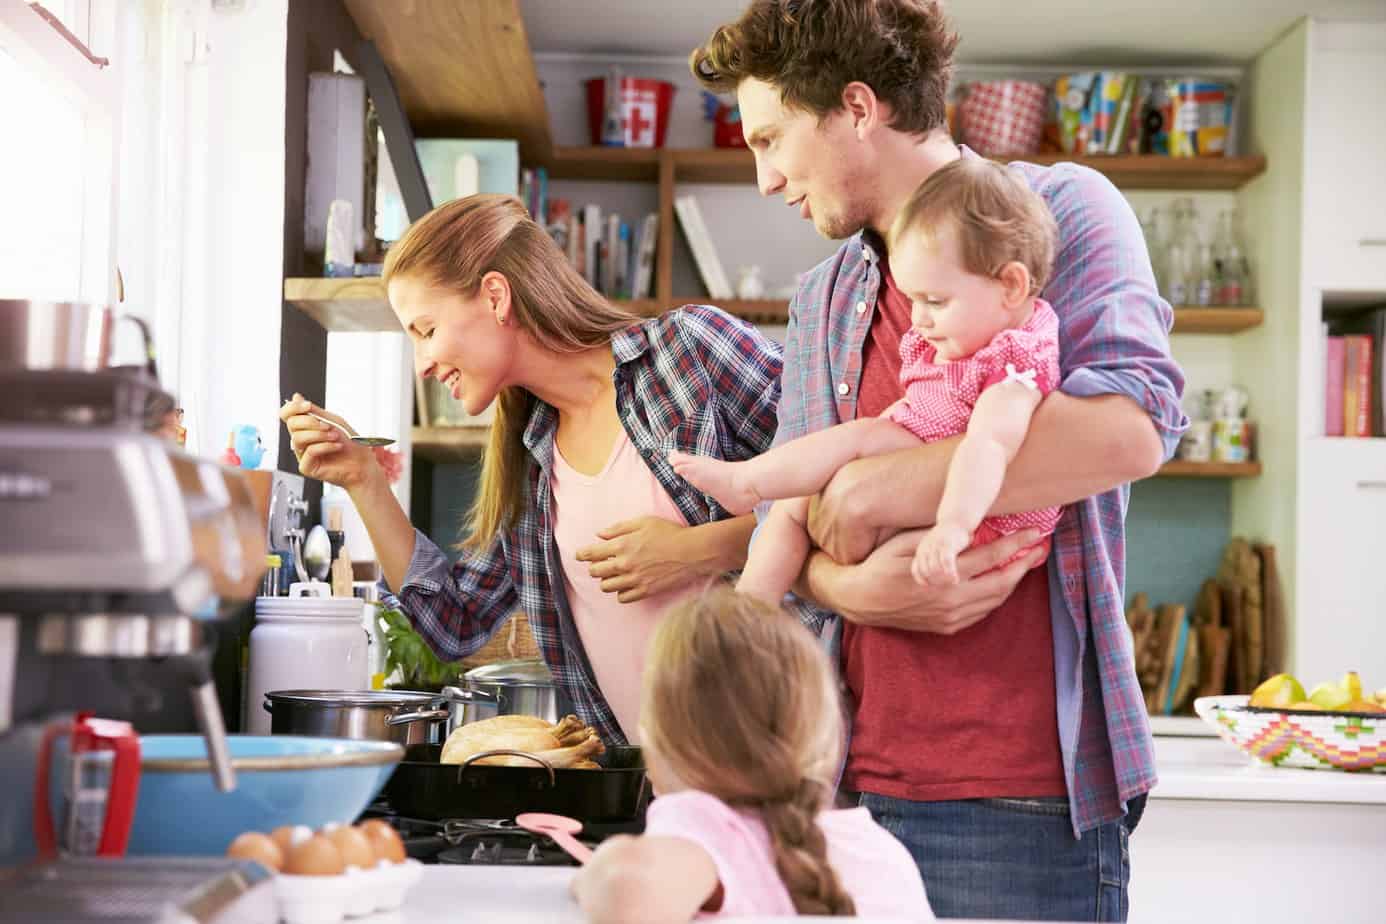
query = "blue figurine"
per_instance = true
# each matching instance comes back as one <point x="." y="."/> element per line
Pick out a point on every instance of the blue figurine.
<point x="248" y="446"/>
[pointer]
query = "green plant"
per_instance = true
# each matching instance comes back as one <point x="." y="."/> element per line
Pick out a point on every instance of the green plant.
<point x="405" y="649"/>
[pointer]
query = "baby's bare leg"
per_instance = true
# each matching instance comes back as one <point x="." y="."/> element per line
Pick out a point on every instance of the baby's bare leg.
<point x="796" y="469"/>
<point x="779" y="552"/>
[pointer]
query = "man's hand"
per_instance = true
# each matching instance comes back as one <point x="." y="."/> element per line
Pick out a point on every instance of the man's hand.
<point x="640" y="558"/>
<point x="836" y="528"/>
<point x="881" y="591"/>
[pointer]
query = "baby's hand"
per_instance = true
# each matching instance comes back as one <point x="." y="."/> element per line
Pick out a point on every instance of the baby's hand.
<point x="936" y="559"/>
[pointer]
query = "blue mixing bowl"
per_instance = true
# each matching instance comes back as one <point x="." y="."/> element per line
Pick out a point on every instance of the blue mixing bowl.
<point x="280" y="780"/>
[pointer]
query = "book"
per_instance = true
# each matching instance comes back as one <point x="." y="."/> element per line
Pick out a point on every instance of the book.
<point x="1352" y="349"/>
<point x="704" y="254"/>
<point x="644" y="248"/>
<point x="1373" y="323"/>
<point x="1334" y="371"/>
<point x="1358" y="385"/>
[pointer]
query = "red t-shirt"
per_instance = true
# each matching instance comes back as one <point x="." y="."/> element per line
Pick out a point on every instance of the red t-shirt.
<point x="963" y="716"/>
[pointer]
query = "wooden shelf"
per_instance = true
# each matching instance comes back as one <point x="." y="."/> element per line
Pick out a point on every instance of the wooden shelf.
<point x="1197" y="320"/>
<point x="629" y="164"/>
<point x="347" y="304"/>
<point x="737" y="165"/>
<point x="358" y="304"/>
<point x="1179" y="468"/>
<point x="450" y="444"/>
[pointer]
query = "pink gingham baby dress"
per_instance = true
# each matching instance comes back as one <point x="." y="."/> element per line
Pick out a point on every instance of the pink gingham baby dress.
<point x="939" y="400"/>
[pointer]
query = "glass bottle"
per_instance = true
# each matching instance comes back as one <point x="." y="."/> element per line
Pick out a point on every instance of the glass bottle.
<point x="1156" y="230"/>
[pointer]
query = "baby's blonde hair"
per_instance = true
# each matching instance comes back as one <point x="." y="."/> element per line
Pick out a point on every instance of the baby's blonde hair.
<point x="741" y="703"/>
<point x="995" y="217"/>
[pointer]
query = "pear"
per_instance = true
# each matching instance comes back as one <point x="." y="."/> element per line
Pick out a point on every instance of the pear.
<point x="1329" y="695"/>
<point x="1277" y="692"/>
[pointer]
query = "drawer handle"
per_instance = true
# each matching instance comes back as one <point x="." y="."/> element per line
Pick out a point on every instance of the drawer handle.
<point x="1373" y="242"/>
<point x="1371" y="484"/>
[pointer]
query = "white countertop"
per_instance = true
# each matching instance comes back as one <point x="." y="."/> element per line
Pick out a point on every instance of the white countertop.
<point x="502" y="895"/>
<point x="1210" y="768"/>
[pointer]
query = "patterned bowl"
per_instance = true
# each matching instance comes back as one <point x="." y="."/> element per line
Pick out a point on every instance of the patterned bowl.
<point x="1294" y="738"/>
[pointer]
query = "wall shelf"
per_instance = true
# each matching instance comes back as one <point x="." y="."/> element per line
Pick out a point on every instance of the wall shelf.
<point x="1196" y="320"/>
<point x="450" y="444"/>
<point x="1180" y="468"/>
<point x="737" y="165"/>
<point x="358" y="304"/>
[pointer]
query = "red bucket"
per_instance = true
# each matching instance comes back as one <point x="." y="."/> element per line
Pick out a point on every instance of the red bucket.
<point x="645" y="107"/>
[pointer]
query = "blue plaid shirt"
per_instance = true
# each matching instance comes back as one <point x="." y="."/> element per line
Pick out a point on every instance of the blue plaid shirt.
<point x="695" y="379"/>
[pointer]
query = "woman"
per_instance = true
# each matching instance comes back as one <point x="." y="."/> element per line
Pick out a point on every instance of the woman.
<point x="579" y="519"/>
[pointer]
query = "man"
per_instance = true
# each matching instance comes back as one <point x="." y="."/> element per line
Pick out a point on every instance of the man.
<point x="999" y="729"/>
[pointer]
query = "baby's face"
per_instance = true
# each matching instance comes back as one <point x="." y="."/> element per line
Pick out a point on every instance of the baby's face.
<point x="956" y="311"/>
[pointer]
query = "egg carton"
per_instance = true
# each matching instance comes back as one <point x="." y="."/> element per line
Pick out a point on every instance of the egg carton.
<point x="353" y="894"/>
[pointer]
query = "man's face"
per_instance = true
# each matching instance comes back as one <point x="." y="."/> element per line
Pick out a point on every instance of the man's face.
<point x="819" y="166"/>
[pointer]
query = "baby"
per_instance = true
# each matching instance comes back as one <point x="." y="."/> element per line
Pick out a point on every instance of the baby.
<point x="972" y="248"/>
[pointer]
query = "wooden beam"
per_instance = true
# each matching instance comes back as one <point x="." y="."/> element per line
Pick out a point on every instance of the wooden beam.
<point x="462" y="69"/>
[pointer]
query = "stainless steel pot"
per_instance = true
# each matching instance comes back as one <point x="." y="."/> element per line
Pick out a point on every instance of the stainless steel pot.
<point x="363" y="714"/>
<point x="523" y="687"/>
<point x="73" y="336"/>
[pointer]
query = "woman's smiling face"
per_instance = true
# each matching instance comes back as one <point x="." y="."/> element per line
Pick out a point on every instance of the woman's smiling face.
<point x="468" y="344"/>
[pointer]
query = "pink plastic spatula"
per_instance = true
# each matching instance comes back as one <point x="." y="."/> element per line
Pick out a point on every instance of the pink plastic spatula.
<point x="561" y="829"/>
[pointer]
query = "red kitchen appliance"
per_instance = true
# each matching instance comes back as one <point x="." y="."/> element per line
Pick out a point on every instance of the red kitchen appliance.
<point x="100" y="793"/>
<point x="644" y="106"/>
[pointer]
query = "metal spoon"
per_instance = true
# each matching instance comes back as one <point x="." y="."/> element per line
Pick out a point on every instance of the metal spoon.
<point x="363" y="440"/>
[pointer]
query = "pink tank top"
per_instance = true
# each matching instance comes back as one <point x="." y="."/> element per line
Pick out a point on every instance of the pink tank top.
<point x="614" y="634"/>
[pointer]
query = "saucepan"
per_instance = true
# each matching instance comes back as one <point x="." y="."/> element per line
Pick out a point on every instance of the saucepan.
<point x="61" y="335"/>
<point x="520" y="687"/>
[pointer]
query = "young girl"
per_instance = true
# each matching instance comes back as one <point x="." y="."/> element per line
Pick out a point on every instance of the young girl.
<point x="971" y="248"/>
<point x="742" y="730"/>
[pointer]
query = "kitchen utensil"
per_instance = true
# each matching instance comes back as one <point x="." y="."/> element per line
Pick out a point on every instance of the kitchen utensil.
<point x="421" y="787"/>
<point x="520" y="687"/>
<point x="283" y="780"/>
<point x="363" y="440"/>
<point x="87" y="829"/>
<point x="360" y="714"/>
<point x="561" y="829"/>
<point x="317" y="553"/>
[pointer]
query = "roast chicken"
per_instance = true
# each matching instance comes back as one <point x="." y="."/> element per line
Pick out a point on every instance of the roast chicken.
<point x="568" y="743"/>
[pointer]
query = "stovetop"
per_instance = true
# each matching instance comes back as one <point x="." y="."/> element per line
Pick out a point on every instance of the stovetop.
<point x="488" y="841"/>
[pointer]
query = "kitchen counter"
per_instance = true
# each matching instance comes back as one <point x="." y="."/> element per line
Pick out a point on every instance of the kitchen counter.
<point x="1209" y="768"/>
<point x="1226" y="839"/>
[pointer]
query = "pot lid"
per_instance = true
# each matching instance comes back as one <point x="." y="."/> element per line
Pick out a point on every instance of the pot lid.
<point x="353" y="697"/>
<point x="525" y="670"/>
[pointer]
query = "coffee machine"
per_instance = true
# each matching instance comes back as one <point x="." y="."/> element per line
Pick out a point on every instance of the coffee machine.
<point x="120" y="554"/>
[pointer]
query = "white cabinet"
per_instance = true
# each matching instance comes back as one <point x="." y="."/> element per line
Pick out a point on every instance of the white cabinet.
<point x="1340" y="612"/>
<point x="1345" y="163"/>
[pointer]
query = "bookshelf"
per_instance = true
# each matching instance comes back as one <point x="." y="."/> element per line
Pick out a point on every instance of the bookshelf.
<point x="1181" y="468"/>
<point x="359" y="304"/>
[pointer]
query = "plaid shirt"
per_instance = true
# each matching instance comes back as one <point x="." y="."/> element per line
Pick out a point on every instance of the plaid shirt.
<point x="1113" y="339"/>
<point x="694" y="379"/>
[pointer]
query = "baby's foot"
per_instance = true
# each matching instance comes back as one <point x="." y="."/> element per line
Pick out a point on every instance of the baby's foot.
<point x="720" y="479"/>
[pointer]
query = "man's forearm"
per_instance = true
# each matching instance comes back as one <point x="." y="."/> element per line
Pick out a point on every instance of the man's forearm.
<point x="1076" y="447"/>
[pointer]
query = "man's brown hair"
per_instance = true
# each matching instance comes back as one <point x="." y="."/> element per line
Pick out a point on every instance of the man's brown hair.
<point x="995" y="218"/>
<point x="811" y="49"/>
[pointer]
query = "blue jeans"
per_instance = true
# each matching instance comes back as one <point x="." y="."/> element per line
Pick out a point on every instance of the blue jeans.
<point x="1013" y="858"/>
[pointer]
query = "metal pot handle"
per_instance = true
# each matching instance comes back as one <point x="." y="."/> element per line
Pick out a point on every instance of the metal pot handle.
<point x="553" y="781"/>
<point x="421" y="715"/>
<point x="476" y="697"/>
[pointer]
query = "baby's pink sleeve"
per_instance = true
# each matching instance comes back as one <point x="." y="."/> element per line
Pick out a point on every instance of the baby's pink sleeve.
<point x="729" y="839"/>
<point x="1021" y="355"/>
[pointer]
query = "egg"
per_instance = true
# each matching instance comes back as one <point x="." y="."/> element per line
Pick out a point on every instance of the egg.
<point x="354" y="846"/>
<point x="252" y="845"/>
<point x="385" y="841"/>
<point x="288" y="836"/>
<point x="317" y="856"/>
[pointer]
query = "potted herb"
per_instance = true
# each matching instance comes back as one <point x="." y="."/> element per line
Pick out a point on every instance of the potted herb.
<point x="405" y="650"/>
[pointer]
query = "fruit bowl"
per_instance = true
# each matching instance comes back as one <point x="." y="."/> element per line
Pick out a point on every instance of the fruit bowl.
<point x="1299" y="738"/>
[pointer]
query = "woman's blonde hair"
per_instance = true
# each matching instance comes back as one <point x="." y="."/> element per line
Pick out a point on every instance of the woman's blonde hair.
<point x="453" y="247"/>
<point x="996" y="218"/>
<point x="741" y="703"/>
